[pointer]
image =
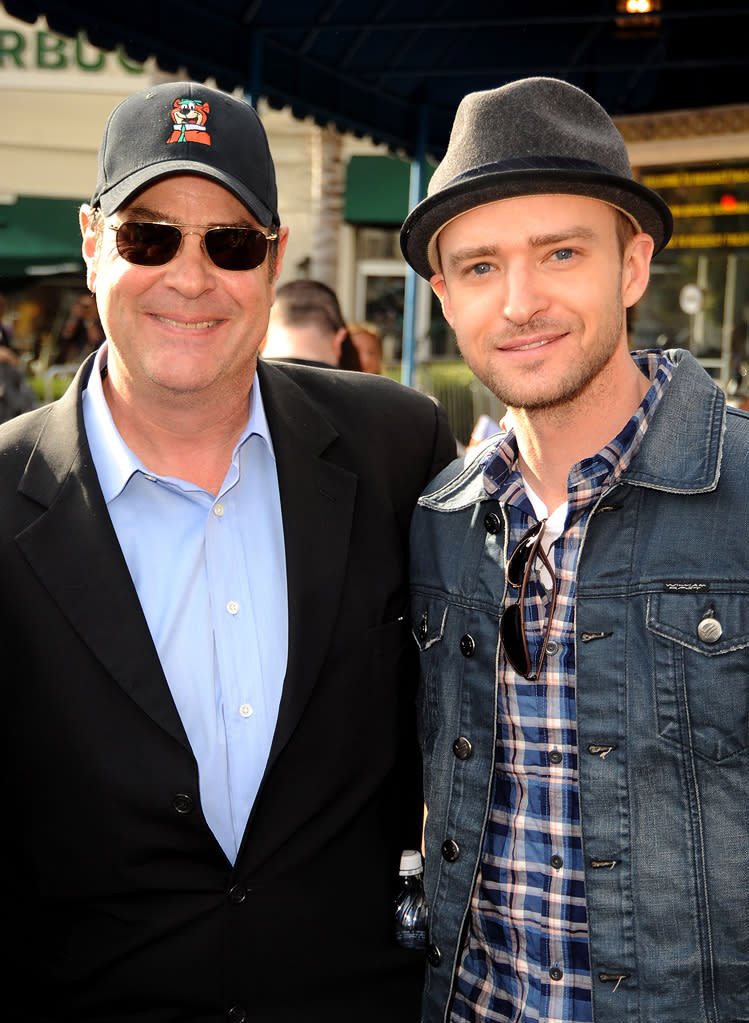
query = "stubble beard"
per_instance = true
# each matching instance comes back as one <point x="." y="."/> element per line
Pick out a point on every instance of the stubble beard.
<point x="533" y="396"/>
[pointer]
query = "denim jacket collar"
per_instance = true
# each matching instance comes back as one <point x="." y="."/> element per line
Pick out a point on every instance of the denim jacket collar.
<point x="680" y="452"/>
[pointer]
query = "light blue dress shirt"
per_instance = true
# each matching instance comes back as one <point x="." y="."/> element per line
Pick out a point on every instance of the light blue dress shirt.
<point x="210" y="573"/>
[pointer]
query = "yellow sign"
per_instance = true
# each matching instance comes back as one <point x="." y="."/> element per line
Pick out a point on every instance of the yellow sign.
<point x="725" y="240"/>
<point x="697" y="178"/>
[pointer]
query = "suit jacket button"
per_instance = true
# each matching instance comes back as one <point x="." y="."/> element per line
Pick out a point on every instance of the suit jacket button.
<point x="237" y="894"/>
<point x="434" y="956"/>
<point x="450" y="850"/>
<point x="183" y="803"/>
<point x="462" y="748"/>
<point x="236" y="1014"/>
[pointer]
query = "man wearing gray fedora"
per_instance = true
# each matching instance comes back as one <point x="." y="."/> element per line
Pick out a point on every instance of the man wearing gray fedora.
<point x="579" y="597"/>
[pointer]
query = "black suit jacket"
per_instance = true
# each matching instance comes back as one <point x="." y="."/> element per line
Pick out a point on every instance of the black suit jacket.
<point x="121" y="904"/>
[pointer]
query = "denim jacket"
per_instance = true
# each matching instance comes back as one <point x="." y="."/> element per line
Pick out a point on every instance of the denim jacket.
<point x="662" y="656"/>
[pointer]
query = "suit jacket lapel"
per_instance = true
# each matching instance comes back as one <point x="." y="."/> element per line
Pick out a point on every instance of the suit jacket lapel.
<point x="73" y="550"/>
<point x="317" y="502"/>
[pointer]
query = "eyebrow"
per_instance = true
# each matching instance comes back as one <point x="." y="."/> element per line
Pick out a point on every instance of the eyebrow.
<point x="156" y="216"/>
<point x="539" y="241"/>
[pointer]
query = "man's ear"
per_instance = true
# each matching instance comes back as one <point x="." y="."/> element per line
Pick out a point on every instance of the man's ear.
<point x="338" y="338"/>
<point x="91" y="239"/>
<point x="283" y="237"/>
<point x="636" y="268"/>
<point x="440" y="289"/>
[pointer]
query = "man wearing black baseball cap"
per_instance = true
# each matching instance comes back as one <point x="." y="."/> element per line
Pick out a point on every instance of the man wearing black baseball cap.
<point x="210" y="766"/>
<point x="579" y="596"/>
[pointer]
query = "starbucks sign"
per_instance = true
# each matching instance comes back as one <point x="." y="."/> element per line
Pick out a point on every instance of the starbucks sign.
<point x="38" y="49"/>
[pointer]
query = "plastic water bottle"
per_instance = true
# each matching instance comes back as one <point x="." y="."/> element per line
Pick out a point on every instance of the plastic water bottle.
<point x="410" y="905"/>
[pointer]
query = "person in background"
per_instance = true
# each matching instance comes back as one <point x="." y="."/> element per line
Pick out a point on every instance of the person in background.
<point x="580" y="599"/>
<point x="367" y="339"/>
<point x="7" y="336"/>
<point x="307" y="327"/>
<point x="210" y="763"/>
<point x="16" y="393"/>
<point x="81" y="333"/>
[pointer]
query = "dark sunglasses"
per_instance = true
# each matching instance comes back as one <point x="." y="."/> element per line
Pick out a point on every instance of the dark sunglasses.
<point x="512" y="623"/>
<point x="155" y="244"/>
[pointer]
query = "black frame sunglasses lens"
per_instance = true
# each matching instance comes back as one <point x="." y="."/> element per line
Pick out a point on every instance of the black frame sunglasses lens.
<point x="517" y="563"/>
<point x="236" y="248"/>
<point x="147" y="244"/>
<point x="230" y="248"/>
<point x="513" y="639"/>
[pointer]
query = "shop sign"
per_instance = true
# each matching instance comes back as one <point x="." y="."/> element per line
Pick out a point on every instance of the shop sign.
<point x="38" y="49"/>
<point x="710" y="204"/>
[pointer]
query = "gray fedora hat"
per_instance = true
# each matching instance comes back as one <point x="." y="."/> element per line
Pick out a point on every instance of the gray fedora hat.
<point x="535" y="136"/>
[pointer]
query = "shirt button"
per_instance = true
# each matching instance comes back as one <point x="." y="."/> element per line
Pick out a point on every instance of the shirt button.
<point x="555" y="757"/>
<point x="557" y="862"/>
<point x="246" y="710"/>
<point x="232" y="607"/>
<point x="555" y="973"/>
<point x="218" y="509"/>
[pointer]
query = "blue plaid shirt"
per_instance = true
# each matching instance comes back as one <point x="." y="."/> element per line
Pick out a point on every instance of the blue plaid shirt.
<point x="525" y="957"/>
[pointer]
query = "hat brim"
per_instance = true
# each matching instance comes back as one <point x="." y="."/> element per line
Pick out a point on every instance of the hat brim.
<point x="429" y="217"/>
<point x="115" y="197"/>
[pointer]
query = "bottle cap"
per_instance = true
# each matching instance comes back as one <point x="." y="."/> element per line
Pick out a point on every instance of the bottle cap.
<point x="410" y="862"/>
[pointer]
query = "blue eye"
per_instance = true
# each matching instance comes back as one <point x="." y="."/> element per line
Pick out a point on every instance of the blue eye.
<point x="481" y="268"/>
<point x="562" y="255"/>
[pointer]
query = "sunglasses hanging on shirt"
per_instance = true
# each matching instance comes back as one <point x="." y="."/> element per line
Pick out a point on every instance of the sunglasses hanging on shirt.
<point x="512" y="623"/>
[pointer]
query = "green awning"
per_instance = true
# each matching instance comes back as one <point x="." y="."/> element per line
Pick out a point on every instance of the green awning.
<point x="39" y="236"/>
<point x="377" y="190"/>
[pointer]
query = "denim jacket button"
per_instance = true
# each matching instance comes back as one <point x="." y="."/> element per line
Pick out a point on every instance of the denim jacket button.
<point x="709" y="630"/>
<point x="434" y="956"/>
<point x="450" y="850"/>
<point x="491" y="522"/>
<point x="467" y="645"/>
<point x="462" y="748"/>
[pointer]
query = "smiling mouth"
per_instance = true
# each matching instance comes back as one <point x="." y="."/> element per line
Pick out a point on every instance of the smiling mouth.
<point x="185" y="325"/>
<point x="529" y="345"/>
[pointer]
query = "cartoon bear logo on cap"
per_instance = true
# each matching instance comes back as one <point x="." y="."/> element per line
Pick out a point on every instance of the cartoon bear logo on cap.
<point x="190" y="116"/>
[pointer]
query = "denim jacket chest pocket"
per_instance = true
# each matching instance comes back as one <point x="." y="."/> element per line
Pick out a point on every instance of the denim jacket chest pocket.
<point x="700" y="644"/>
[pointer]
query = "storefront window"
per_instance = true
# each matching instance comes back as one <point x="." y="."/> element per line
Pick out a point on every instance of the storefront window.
<point x="699" y="295"/>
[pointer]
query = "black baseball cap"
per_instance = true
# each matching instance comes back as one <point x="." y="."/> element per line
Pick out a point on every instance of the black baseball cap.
<point x="186" y="128"/>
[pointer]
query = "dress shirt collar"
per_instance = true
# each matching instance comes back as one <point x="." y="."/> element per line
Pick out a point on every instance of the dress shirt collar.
<point x="115" y="463"/>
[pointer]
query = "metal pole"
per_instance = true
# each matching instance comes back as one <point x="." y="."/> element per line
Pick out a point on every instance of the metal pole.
<point x="255" y="76"/>
<point x="415" y="194"/>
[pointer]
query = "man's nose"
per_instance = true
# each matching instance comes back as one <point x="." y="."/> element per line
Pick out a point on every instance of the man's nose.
<point x="524" y="295"/>
<point x="191" y="271"/>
